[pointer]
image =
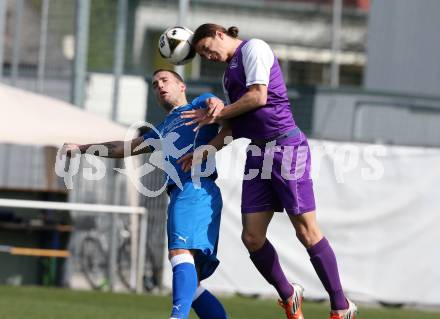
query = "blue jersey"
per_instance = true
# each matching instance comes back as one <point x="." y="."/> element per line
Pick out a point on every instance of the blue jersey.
<point x="177" y="139"/>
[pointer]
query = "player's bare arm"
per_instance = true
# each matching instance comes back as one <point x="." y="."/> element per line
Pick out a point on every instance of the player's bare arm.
<point x="255" y="97"/>
<point x="114" y="149"/>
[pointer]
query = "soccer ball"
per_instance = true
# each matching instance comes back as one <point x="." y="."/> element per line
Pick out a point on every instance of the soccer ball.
<point x="175" y="45"/>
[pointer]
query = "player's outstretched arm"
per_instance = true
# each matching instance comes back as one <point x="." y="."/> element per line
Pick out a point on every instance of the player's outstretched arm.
<point x="112" y="149"/>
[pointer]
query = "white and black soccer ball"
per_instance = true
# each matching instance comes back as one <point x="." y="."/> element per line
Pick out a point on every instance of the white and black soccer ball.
<point x="175" y="45"/>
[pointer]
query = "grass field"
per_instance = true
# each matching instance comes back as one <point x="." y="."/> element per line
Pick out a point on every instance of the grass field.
<point x="46" y="303"/>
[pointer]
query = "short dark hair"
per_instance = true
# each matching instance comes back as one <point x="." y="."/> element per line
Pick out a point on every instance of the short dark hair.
<point x="175" y="74"/>
<point x="209" y="29"/>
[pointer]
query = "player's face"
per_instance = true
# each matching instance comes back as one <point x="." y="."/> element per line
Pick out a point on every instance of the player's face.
<point x="213" y="48"/>
<point x="169" y="91"/>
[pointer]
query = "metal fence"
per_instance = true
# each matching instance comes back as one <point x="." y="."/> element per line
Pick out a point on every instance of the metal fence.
<point x="37" y="45"/>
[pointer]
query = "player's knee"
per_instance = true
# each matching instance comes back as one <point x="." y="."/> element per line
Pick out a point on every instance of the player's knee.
<point x="252" y="241"/>
<point x="175" y="252"/>
<point x="308" y="237"/>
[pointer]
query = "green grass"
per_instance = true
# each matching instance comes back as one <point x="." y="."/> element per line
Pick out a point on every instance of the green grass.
<point x="51" y="303"/>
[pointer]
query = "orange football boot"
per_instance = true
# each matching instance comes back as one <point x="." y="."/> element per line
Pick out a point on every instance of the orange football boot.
<point x="292" y="307"/>
<point x="350" y="313"/>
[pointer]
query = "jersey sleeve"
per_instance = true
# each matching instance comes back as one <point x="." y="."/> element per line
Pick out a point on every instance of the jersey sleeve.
<point x="152" y="133"/>
<point x="258" y="59"/>
<point x="199" y="102"/>
<point x="154" y="137"/>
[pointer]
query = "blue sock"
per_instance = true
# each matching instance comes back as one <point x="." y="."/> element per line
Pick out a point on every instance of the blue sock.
<point x="184" y="285"/>
<point x="207" y="306"/>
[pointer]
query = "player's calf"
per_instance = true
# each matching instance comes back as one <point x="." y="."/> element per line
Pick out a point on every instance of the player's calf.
<point x="184" y="284"/>
<point x="207" y="306"/>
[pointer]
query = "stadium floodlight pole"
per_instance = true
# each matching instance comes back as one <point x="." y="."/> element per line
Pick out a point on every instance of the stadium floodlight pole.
<point x="336" y="39"/>
<point x="43" y="45"/>
<point x="81" y="48"/>
<point x="2" y="34"/>
<point x="181" y="20"/>
<point x="16" y="45"/>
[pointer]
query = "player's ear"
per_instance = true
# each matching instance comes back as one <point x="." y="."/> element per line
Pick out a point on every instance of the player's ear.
<point x="220" y="34"/>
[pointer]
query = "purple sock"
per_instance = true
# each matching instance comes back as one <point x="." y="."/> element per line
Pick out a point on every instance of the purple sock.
<point x="267" y="263"/>
<point x="324" y="261"/>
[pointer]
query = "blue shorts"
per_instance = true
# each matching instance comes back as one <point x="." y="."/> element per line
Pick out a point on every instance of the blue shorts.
<point x="194" y="223"/>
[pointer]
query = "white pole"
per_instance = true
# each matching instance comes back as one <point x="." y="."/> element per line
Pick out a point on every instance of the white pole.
<point x="97" y="208"/>
<point x="2" y="33"/>
<point x="16" y="45"/>
<point x="336" y="30"/>
<point x="118" y="70"/>
<point x="118" y="65"/>
<point x="43" y="45"/>
<point x="181" y="21"/>
<point x="133" y="199"/>
<point x="81" y="49"/>
<point x="142" y="249"/>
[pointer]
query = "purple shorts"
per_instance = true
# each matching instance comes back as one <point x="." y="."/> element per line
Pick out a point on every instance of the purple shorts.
<point x="277" y="177"/>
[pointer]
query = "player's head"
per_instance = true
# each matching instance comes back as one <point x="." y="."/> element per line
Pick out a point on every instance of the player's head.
<point x="169" y="88"/>
<point x="214" y="42"/>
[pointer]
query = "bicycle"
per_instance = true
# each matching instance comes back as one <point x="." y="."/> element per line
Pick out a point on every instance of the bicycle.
<point x="94" y="254"/>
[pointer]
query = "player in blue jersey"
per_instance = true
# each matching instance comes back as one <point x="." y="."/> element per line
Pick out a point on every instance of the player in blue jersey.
<point x="195" y="203"/>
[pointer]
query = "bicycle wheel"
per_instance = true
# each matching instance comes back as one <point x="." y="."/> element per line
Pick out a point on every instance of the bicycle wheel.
<point x="124" y="263"/>
<point x="94" y="262"/>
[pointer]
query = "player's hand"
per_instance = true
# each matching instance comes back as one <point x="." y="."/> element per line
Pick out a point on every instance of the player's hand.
<point x="70" y="149"/>
<point x="185" y="162"/>
<point x="215" y="106"/>
<point x="206" y="116"/>
<point x="192" y="159"/>
<point x="198" y="116"/>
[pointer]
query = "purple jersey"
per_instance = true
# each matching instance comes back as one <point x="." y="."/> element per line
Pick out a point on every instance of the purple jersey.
<point x="254" y="63"/>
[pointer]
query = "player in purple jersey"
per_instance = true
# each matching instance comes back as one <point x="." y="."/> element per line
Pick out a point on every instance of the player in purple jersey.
<point x="258" y="109"/>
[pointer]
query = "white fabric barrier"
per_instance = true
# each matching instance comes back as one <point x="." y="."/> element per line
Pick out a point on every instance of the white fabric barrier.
<point x="378" y="207"/>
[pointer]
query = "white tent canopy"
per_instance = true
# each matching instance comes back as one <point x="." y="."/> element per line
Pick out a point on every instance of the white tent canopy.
<point x="33" y="119"/>
<point x="29" y="118"/>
